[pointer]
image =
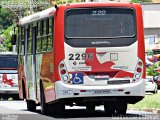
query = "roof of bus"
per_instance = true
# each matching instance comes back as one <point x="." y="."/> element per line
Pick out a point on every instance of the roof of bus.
<point x="8" y="53"/>
<point x="100" y="4"/>
<point x="49" y="12"/>
<point x="40" y="15"/>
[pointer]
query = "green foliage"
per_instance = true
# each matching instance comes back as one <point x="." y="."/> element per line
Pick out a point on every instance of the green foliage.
<point x="58" y="2"/>
<point x="141" y="1"/>
<point x="150" y="101"/>
<point x="158" y="64"/>
<point x="134" y="1"/>
<point x="151" y="71"/>
<point x="6" y="19"/>
<point x="149" y="52"/>
<point x="2" y="48"/>
<point x="8" y="33"/>
<point x="69" y="1"/>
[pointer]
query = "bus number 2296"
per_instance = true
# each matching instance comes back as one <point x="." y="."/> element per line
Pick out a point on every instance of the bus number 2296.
<point x="81" y="56"/>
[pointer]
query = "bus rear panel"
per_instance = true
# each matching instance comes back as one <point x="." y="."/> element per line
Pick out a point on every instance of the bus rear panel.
<point x="85" y="54"/>
<point x="8" y="74"/>
<point x="103" y="58"/>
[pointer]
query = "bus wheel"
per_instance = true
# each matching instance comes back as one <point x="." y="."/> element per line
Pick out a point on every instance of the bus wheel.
<point x="90" y="107"/>
<point x="58" y="107"/>
<point x="44" y="106"/>
<point x="31" y="105"/>
<point x="155" y="91"/>
<point x="121" y="108"/>
<point x="110" y="108"/>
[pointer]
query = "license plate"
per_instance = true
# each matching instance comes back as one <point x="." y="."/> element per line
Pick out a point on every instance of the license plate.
<point x="101" y="77"/>
<point x="102" y="91"/>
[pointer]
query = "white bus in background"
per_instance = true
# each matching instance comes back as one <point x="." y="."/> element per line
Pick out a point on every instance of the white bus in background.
<point x="8" y="74"/>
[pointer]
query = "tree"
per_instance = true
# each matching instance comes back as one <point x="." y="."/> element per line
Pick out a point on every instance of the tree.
<point x="141" y="1"/>
<point x="8" y="33"/>
<point x="6" y="19"/>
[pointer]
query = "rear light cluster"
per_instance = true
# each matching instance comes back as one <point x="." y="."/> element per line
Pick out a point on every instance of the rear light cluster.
<point x="63" y="72"/>
<point x="138" y="70"/>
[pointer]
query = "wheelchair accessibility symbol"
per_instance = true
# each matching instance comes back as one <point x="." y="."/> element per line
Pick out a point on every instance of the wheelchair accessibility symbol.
<point x="77" y="78"/>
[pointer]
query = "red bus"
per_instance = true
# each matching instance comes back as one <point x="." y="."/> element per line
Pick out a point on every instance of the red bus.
<point x="84" y="54"/>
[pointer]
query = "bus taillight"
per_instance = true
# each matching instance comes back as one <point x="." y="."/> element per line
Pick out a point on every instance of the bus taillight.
<point x="140" y="63"/>
<point x="61" y="65"/>
<point x="138" y="71"/>
<point x="63" y="72"/>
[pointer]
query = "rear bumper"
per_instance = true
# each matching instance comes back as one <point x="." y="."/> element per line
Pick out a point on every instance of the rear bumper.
<point x="78" y="91"/>
<point x="150" y="89"/>
<point x="9" y="91"/>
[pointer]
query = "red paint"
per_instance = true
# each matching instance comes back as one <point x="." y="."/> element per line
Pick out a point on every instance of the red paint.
<point x="96" y="65"/>
<point x="58" y="41"/>
<point x="7" y="81"/>
<point x="122" y="74"/>
<point x="140" y="37"/>
<point x="105" y="67"/>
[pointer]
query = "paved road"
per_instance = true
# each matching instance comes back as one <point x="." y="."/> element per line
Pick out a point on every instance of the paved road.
<point x="17" y="110"/>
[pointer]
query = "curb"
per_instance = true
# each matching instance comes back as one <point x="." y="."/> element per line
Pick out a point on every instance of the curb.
<point x="153" y="110"/>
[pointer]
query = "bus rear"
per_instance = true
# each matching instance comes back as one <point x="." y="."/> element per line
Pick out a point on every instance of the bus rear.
<point x="103" y="61"/>
<point x="8" y="74"/>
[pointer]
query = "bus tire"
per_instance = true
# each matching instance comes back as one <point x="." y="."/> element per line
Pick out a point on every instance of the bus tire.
<point x="155" y="91"/>
<point x="31" y="105"/>
<point x="58" y="107"/>
<point x="110" y="108"/>
<point x="44" y="106"/>
<point x="121" y="108"/>
<point x="90" y="107"/>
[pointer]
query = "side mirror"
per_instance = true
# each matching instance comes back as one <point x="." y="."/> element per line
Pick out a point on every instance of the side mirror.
<point x="13" y="39"/>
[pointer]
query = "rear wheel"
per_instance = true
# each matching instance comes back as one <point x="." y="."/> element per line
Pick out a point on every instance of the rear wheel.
<point x="109" y="108"/>
<point x="90" y="107"/>
<point x="121" y="108"/>
<point x="57" y="107"/>
<point x="155" y="91"/>
<point x="31" y="105"/>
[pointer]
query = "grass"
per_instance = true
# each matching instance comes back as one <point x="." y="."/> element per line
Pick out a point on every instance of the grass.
<point x="150" y="101"/>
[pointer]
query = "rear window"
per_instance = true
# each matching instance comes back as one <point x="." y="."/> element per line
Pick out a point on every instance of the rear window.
<point x="8" y="61"/>
<point x="100" y="23"/>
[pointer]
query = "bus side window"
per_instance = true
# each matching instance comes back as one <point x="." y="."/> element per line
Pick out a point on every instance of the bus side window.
<point x="21" y="44"/>
<point x="19" y="39"/>
<point x="29" y="39"/>
<point x="39" y="37"/>
<point x="50" y="34"/>
<point x="44" y="36"/>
